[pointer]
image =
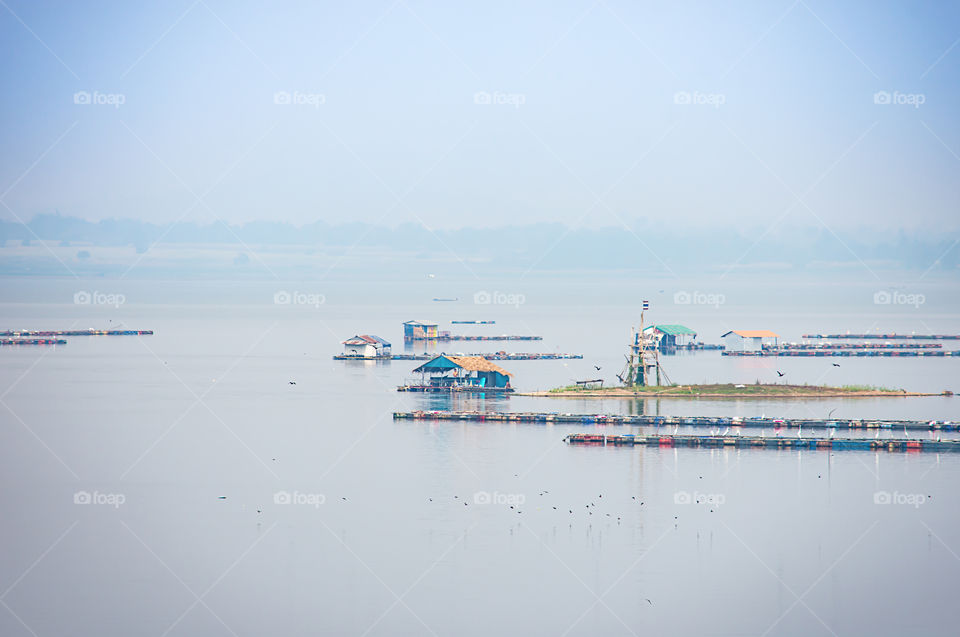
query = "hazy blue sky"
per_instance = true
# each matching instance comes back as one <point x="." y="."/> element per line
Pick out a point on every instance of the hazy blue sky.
<point x="587" y="122"/>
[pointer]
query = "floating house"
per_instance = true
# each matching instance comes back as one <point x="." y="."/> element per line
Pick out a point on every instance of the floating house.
<point x="460" y="373"/>
<point x="748" y="340"/>
<point x="418" y="330"/>
<point x="670" y="336"/>
<point x="366" y="346"/>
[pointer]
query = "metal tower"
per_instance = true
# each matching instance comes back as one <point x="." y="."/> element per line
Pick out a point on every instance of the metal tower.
<point x="643" y="361"/>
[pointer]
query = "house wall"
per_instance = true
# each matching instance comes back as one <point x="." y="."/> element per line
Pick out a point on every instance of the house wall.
<point x="733" y="343"/>
<point x="429" y="331"/>
<point x="360" y="350"/>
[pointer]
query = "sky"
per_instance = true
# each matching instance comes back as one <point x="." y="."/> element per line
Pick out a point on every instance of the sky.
<point x="757" y="115"/>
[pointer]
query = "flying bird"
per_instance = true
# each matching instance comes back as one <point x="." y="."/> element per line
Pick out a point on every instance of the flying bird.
<point x="596" y="367"/>
<point x="836" y="364"/>
<point x="779" y="373"/>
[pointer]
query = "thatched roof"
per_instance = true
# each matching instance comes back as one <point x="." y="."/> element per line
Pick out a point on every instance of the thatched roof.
<point x="469" y="363"/>
<point x="477" y="364"/>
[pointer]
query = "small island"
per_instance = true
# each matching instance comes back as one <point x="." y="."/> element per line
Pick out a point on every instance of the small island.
<point x="729" y="390"/>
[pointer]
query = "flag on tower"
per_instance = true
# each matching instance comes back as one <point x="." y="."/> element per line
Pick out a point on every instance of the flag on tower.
<point x="646" y="305"/>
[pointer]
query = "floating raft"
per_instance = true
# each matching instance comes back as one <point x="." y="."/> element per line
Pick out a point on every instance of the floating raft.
<point x="889" y="337"/>
<point x="756" y="442"/>
<point x="519" y="356"/>
<point x="691" y="347"/>
<point x="33" y="341"/>
<point x="672" y="421"/>
<point x="938" y="353"/>
<point x="466" y="337"/>
<point x="461" y="389"/>
<point x="76" y="332"/>
<point x="473" y="322"/>
<point x="829" y="346"/>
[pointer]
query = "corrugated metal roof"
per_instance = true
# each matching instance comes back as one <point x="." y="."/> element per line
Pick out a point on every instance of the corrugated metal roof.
<point x="365" y="339"/>
<point x="752" y="334"/>
<point x="674" y="329"/>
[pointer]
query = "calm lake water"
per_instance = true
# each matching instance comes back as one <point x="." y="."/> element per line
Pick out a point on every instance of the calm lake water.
<point x="178" y="484"/>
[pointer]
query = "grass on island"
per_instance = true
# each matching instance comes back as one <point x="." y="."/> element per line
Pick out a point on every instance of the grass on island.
<point x="755" y="389"/>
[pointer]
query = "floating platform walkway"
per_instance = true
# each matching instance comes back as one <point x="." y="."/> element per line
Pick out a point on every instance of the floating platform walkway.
<point x="468" y="337"/>
<point x="673" y="421"/>
<point x="935" y="353"/>
<point x="757" y="442"/>
<point x="831" y="346"/>
<point x="459" y="389"/>
<point x="498" y="356"/>
<point x="889" y="337"/>
<point x="473" y="322"/>
<point x="91" y="332"/>
<point x="33" y="341"/>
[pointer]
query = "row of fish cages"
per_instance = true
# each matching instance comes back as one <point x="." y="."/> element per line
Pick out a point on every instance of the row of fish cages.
<point x="887" y="337"/>
<point x="676" y="421"/>
<point x="757" y="442"/>
<point x="860" y="353"/>
<point x="89" y="332"/>
<point x="833" y="346"/>
<point x="33" y="341"/>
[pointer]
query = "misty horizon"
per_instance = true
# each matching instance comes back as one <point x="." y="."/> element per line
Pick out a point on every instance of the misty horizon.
<point x="648" y="245"/>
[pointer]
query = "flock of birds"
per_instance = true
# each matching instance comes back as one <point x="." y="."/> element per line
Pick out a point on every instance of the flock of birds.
<point x="591" y="507"/>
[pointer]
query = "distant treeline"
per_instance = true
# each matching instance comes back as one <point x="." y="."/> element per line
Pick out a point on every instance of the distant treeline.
<point x="537" y="246"/>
